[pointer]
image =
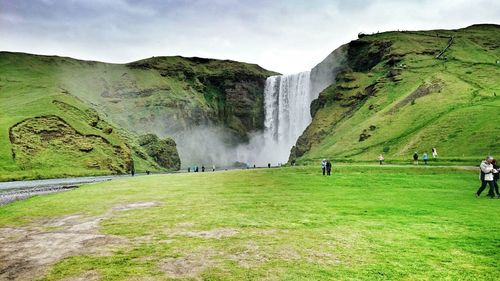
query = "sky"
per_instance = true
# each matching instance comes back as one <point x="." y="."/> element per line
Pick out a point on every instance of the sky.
<point x="284" y="36"/>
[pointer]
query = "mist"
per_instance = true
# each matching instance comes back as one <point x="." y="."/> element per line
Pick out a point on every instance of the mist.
<point x="215" y="145"/>
<point x="287" y="101"/>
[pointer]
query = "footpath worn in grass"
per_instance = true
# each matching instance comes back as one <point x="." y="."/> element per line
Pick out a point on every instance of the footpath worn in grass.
<point x="362" y="223"/>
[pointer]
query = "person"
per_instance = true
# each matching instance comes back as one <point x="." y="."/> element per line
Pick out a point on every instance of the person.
<point x="415" y="158"/>
<point x="425" y="158"/>
<point x="323" y="166"/>
<point x="495" y="177"/>
<point x="486" y="177"/>
<point x="434" y="153"/>
<point x="254" y="166"/>
<point x="381" y="159"/>
<point x="328" y="167"/>
<point x="132" y="170"/>
<point x="147" y="172"/>
<point x="269" y="165"/>
<point x="213" y="168"/>
<point x="293" y="162"/>
<point x="202" y="168"/>
<point x="196" y="169"/>
<point x="189" y="169"/>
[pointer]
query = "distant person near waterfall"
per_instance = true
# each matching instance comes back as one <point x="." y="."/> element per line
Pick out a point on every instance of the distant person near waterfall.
<point x="381" y="159"/>
<point x="434" y="153"/>
<point x="328" y="167"/>
<point x="425" y="158"/>
<point x="415" y="158"/>
<point x="323" y="166"/>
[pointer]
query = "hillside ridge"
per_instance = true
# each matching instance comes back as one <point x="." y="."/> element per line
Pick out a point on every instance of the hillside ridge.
<point x="396" y="96"/>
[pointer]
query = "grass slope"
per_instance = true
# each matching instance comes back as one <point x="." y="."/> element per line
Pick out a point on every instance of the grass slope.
<point x="363" y="223"/>
<point x="80" y="143"/>
<point x="162" y="95"/>
<point x="396" y="98"/>
<point x="159" y="94"/>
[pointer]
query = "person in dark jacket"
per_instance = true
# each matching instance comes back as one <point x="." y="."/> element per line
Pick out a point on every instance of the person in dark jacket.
<point x="328" y="167"/>
<point x="496" y="176"/>
<point x="203" y="168"/>
<point x="415" y="158"/>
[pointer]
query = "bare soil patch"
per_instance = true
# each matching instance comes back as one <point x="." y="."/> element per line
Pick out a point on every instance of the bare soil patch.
<point x="138" y="205"/>
<point x="27" y="252"/>
<point x="209" y="234"/>
<point x="189" y="265"/>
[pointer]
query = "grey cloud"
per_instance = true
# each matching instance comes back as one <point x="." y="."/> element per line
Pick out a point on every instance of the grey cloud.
<point x="286" y="36"/>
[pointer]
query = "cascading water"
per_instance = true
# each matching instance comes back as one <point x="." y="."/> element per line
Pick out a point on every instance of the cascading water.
<point x="287" y="102"/>
<point x="287" y="99"/>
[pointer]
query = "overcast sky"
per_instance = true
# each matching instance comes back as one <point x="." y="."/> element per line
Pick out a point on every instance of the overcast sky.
<point x="285" y="36"/>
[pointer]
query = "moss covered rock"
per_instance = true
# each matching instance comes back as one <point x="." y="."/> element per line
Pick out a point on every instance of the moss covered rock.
<point x="163" y="151"/>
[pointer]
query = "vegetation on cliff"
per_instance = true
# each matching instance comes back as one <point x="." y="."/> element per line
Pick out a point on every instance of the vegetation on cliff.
<point x="396" y="97"/>
<point x="53" y="111"/>
<point x="48" y="133"/>
<point x="163" y="151"/>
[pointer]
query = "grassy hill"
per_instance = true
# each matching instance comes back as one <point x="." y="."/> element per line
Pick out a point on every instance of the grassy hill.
<point x="46" y="132"/>
<point x="55" y="110"/>
<point x="395" y="97"/>
<point x="169" y="94"/>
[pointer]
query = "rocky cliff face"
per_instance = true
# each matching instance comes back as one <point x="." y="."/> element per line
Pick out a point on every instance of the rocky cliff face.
<point x="224" y="93"/>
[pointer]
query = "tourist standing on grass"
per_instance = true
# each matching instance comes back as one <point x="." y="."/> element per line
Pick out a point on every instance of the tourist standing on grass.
<point x="415" y="158"/>
<point x="496" y="176"/>
<point x="486" y="177"/>
<point x="213" y="168"/>
<point x="323" y="166"/>
<point x="203" y="168"/>
<point x="425" y="158"/>
<point x="434" y="153"/>
<point x="381" y="159"/>
<point x="328" y="167"/>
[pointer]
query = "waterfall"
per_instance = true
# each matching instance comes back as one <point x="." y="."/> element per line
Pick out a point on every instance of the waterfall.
<point x="287" y="102"/>
<point x="287" y="99"/>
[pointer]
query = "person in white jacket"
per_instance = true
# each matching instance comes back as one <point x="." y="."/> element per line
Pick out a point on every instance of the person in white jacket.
<point x="323" y="166"/>
<point x="486" y="176"/>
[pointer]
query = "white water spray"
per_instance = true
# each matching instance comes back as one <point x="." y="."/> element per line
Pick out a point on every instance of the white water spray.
<point x="287" y="102"/>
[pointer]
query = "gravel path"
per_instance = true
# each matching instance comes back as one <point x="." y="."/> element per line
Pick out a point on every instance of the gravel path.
<point x="18" y="190"/>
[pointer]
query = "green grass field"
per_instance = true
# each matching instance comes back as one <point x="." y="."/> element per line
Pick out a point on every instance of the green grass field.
<point x="362" y="223"/>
